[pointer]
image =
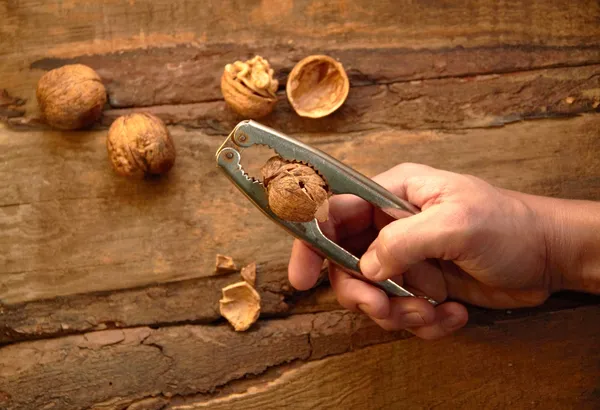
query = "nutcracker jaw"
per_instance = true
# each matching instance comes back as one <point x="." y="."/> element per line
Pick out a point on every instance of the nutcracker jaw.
<point x="339" y="178"/>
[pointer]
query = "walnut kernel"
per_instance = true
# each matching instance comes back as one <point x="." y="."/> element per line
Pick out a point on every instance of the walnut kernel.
<point x="71" y="97"/>
<point x="317" y="86"/>
<point x="139" y="144"/>
<point x="296" y="192"/>
<point x="249" y="87"/>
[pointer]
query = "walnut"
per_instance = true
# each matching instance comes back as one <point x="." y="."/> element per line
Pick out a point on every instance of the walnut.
<point x="139" y="145"/>
<point x="240" y="305"/>
<point x="71" y="97"/>
<point x="249" y="87"/>
<point x="317" y="86"/>
<point x="296" y="192"/>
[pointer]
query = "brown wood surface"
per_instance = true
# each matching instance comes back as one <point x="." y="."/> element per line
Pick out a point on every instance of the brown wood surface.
<point x="115" y="278"/>
<point x="76" y="372"/>
<point x="70" y="225"/>
<point x="549" y="360"/>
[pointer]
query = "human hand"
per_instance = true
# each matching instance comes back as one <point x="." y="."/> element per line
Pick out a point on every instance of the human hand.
<point x="471" y="243"/>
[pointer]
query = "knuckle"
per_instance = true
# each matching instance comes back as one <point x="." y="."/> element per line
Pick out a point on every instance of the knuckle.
<point x="462" y="225"/>
<point x="409" y="168"/>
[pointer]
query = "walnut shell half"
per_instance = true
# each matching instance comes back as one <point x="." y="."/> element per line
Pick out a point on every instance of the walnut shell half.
<point x="139" y="144"/>
<point x="71" y="97"/>
<point x="249" y="87"/>
<point x="317" y="86"/>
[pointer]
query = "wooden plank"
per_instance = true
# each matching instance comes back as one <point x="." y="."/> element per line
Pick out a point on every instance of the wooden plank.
<point x="548" y="362"/>
<point x="187" y="301"/>
<point x="66" y="219"/>
<point x="77" y="372"/>
<point x="191" y="74"/>
<point x="506" y="362"/>
<point x="448" y="103"/>
<point x="454" y="103"/>
<point x="383" y="42"/>
<point x="31" y="26"/>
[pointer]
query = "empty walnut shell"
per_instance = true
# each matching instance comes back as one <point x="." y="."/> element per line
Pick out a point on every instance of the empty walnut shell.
<point x="317" y="86"/>
<point x="240" y="305"/>
<point x="296" y="192"/>
<point x="139" y="144"/>
<point x="249" y="87"/>
<point x="71" y="97"/>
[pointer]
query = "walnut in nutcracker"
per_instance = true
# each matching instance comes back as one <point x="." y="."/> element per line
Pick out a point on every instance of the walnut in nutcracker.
<point x="71" y="97"/>
<point x="249" y="87"/>
<point x="139" y="145"/>
<point x="296" y="192"/>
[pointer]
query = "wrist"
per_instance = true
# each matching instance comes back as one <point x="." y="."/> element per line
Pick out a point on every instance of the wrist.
<point x="571" y="229"/>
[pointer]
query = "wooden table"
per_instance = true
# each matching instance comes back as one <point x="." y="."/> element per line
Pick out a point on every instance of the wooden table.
<point x="108" y="297"/>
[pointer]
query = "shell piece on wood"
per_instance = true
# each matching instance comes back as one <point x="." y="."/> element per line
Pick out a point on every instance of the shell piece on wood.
<point x="249" y="87"/>
<point x="225" y="264"/>
<point x="240" y="305"/>
<point x="249" y="273"/>
<point x="317" y="86"/>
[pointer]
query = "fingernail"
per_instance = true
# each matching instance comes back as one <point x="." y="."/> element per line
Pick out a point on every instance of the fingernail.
<point x="370" y="265"/>
<point x="413" y="319"/>
<point x="451" y="321"/>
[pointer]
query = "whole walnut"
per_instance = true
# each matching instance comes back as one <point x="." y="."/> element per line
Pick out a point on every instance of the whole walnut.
<point x="139" y="144"/>
<point x="71" y="97"/>
<point x="249" y="87"/>
<point x="296" y="192"/>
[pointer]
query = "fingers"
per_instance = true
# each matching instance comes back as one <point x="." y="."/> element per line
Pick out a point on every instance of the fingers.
<point x="419" y="184"/>
<point x="348" y="215"/>
<point x="424" y="321"/>
<point x="393" y="314"/>
<point x="354" y="294"/>
<point x="349" y="223"/>
<point x="304" y="267"/>
<point x="405" y="242"/>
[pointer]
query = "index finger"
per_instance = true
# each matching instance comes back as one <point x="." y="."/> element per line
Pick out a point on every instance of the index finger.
<point x="348" y="215"/>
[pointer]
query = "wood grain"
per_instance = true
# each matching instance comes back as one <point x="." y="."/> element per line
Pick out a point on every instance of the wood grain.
<point x="77" y="372"/>
<point x="506" y="362"/>
<point x="188" y="74"/>
<point x="454" y="103"/>
<point x="146" y="49"/>
<point x="75" y="21"/>
<point x="68" y="225"/>
<point x="547" y="362"/>
<point x="130" y="264"/>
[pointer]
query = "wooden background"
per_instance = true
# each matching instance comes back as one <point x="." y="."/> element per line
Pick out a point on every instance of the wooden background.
<point x="108" y="298"/>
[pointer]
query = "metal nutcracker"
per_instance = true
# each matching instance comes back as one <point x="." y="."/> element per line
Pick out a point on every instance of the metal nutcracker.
<point x="340" y="179"/>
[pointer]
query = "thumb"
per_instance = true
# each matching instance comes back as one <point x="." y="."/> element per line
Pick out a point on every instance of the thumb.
<point x="406" y="242"/>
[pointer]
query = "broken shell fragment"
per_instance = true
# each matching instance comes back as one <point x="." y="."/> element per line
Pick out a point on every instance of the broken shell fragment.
<point x="225" y="264"/>
<point x="249" y="273"/>
<point x="240" y="305"/>
<point x="317" y="86"/>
